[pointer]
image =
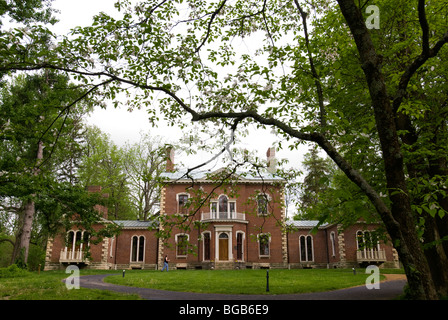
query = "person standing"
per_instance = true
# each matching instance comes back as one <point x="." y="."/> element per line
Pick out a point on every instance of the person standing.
<point x="165" y="264"/>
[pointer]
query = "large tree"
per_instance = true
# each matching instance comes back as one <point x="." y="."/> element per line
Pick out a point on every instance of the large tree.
<point x="144" y="162"/>
<point x="312" y="71"/>
<point x="38" y="120"/>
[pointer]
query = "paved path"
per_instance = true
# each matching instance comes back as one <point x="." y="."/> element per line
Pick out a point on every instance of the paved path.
<point x="389" y="290"/>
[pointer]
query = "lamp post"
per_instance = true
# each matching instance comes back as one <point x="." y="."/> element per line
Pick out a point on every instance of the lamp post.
<point x="267" y="280"/>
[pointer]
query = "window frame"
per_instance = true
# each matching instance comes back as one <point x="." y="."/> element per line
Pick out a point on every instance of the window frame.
<point x="268" y="244"/>
<point x="362" y="234"/>
<point x="243" y="237"/>
<point x="267" y="199"/>
<point x="138" y="250"/>
<point x="333" y="243"/>
<point x="204" y="251"/>
<point x="182" y="254"/>
<point x="185" y="209"/>
<point x="304" y="248"/>
<point x="215" y="210"/>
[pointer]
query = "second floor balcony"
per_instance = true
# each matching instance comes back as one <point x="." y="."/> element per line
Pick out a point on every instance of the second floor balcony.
<point x="73" y="256"/>
<point x="223" y="216"/>
<point x="371" y="255"/>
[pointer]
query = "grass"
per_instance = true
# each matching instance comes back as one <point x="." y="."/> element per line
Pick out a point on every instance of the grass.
<point x="48" y="285"/>
<point x="243" y="281"/>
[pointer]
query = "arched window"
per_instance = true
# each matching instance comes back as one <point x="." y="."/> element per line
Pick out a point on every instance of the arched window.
<point x="333" y="243"/>
<point x="77" y="242"/>
<point x="137" y="249"/>
<point x="223" y="208"/>
<point x="367" y="241"/>
<point x="306" y="248"/>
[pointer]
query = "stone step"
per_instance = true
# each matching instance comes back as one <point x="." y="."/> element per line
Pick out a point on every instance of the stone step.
<point x="224" y="265"/>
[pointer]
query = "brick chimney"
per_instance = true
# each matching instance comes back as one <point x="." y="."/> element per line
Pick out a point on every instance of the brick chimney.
<point x="271" y="160"/>
<point x="100" y="208"/>
<point x="169" y="159"/>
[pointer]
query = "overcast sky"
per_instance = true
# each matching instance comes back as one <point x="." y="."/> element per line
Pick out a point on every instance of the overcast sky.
<point x="124" y="126"/>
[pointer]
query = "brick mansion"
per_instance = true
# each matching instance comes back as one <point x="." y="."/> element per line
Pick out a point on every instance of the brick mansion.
<point x="242" y="224"/>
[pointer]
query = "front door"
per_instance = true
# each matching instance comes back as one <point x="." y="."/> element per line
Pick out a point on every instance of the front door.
<point x="223" y="247"/>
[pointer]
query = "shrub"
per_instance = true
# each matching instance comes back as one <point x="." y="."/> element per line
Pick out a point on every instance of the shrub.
<point x="13" y="271"/>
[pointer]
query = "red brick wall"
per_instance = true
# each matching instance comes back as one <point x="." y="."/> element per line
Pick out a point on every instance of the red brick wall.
<point x="323" y="252"/>
<point x="243" y="194"/>
<point x="351" y="244"/>
<point x="122" y="246"/>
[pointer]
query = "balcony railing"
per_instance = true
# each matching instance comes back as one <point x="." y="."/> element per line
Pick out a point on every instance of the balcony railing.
<point x="73" y="256"/>
<point x="223" y="216"/>
<point x="370" y="255"/>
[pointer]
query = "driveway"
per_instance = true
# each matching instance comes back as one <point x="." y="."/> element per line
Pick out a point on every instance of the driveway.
<point x="389" y="289"/>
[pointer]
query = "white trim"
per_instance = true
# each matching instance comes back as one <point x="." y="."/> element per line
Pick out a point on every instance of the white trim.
<point x="333" y="242"/>
<point x="73" y="248"/>
<point x="220" y="229"/>
<point x="378" y="247"/>
<point x="111" y="251"/>
<point x="216" y="215"/>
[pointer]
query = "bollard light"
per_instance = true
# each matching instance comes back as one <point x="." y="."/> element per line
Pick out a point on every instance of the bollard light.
<point x="267" y="280"/>
<point x="124" y="272"/>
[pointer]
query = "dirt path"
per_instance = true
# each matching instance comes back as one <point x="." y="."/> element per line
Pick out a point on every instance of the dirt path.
<point x="392" y="277"/>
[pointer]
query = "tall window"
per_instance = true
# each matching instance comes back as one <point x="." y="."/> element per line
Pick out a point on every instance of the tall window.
<point x="223" y="208"/>
<point x="181" y="245"/>
<point x="138" y="249"/>
<point x="306" y="248"/>
<point x="207" y="246"/>
<point x="333" y="243"/>
<point x="182" y="206"/>
<point x="263" y="241"/>
<point x="367" y="241"/>
<point x="239" y="246"/>
<point x="77" y="240"/>
<point x="262" y="204"/>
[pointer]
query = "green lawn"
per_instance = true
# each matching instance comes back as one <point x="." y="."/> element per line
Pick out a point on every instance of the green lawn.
<point x="243" y="281"/>
<point x="48" y="285"/>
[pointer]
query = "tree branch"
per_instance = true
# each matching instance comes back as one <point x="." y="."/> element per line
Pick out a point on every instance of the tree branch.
<point x="215" y="13"/>
<point x="426" y="54"/>
<point x="316" y="77"/>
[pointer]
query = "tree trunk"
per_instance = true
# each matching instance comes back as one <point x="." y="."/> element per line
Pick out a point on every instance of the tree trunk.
<point x="404" y="237"/>
<point x="22" y="247"/>
<point x="435" y="254"/>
